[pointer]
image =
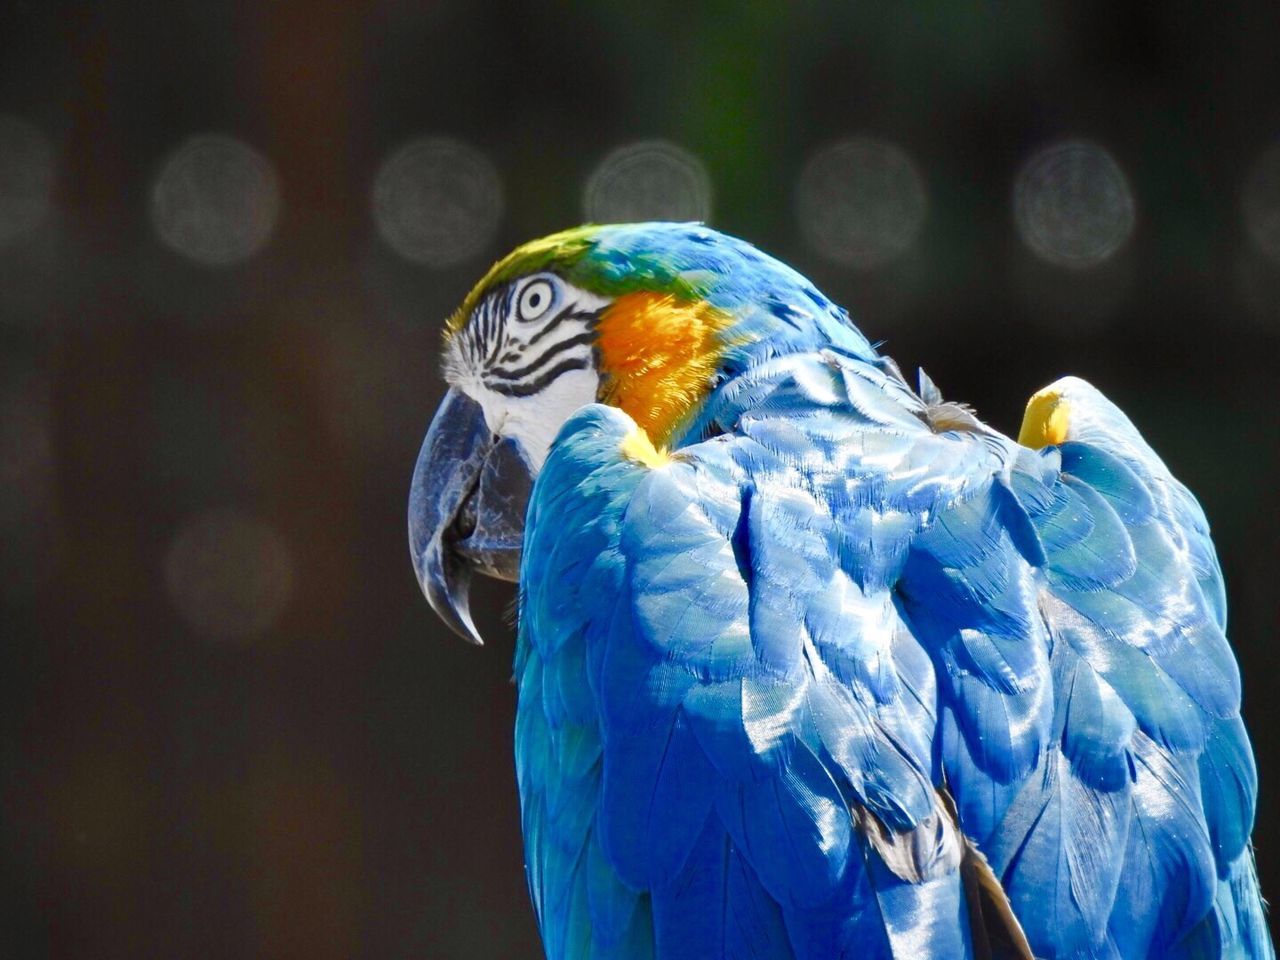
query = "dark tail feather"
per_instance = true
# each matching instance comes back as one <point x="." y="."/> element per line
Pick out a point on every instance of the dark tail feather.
<point x="997" y="934"/>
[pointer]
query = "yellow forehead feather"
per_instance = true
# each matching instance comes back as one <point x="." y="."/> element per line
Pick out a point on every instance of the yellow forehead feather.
<point x="561" y="249"/>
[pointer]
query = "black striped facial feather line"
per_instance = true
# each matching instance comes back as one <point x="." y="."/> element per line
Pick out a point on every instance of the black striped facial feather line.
<point x="507" y="359"/>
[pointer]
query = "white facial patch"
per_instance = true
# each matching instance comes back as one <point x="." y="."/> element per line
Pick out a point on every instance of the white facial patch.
<point x="536" y="420"/>
<point x="527" y="356"/>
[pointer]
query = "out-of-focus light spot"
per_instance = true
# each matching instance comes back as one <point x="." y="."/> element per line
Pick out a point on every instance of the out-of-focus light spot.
<point x="30" y="528"/>
<point x="437" y="201"/>
<point x="229" y="575"/>
<point x="26" y="178"/>
<point x="216" y="200"/>
<point x="1261" y="202"/>
<point x="649" y="180"/>
<point x="861" y="202"/>
<point x="1073" y="205"/>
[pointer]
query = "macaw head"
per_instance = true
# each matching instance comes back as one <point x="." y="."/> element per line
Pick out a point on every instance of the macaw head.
<point x="650" y="318"/>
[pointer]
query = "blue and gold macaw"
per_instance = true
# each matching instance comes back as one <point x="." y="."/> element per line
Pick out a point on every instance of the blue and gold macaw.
<point x="814" y="665"/>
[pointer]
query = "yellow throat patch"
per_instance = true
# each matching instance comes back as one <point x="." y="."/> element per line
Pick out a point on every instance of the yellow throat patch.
<point x="658" y="355"/>
<point x="1046" y="421"/>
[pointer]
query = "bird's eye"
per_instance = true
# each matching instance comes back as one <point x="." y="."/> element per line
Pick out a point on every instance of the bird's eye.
<point x="535" y="300"/>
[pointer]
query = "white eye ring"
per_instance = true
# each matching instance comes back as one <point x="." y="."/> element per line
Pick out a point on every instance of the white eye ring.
<point x="535" y="300"/>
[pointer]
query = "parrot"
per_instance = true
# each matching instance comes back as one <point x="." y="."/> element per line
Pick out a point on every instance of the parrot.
<point x="812" y="663"/>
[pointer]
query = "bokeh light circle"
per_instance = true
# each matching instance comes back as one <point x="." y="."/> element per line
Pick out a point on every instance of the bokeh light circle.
<point x="26" y="178"/>
<point x="216" y="200"/>
<point x="861" y="202"/>
<point x="1073" y="205"/>
<point x="437" y="201"/>
<point x="1261" y="202"/>
<point x="229" y="574"/>
<point x="648" y="180"/>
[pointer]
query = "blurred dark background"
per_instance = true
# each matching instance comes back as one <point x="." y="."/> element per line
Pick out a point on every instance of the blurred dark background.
<point x="229" y="234"/>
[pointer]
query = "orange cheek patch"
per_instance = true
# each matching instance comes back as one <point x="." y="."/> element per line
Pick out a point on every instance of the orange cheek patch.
<point x="658" y="355"/>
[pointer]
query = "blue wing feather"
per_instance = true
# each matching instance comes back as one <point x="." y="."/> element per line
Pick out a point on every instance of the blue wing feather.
<point x="658" y="790"/>
<point x="1228" y="783"/>
<point x="731" y="915"/>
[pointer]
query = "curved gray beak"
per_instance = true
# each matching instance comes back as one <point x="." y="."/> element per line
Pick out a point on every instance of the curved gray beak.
<point x="467" y="503"/>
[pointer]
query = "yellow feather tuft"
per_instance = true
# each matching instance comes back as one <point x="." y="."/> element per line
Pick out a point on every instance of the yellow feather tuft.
<point x="1046" y="421"/>
<point x="638" y="447"/>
